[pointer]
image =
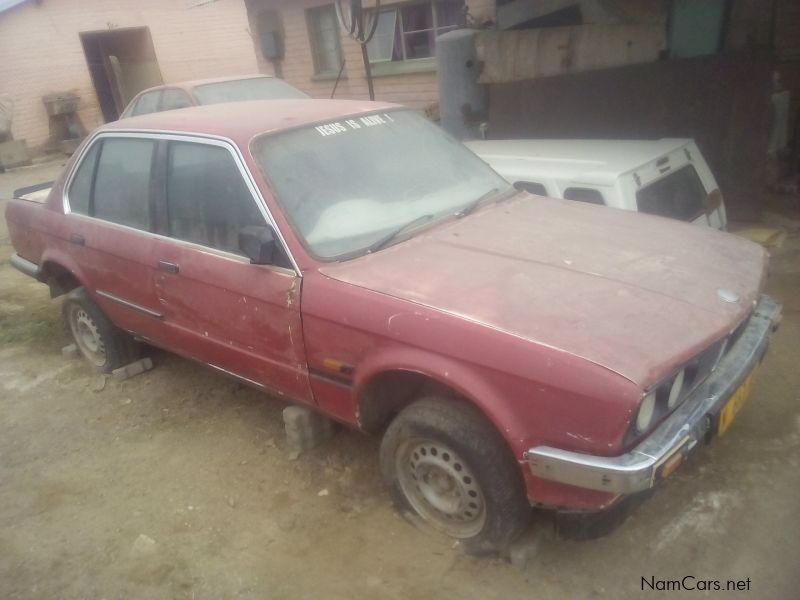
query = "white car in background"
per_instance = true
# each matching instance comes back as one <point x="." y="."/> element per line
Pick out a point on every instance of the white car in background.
<point x="667" y="177"/>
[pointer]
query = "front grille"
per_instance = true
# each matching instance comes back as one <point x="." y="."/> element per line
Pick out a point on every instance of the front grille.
<point x="702" y="365"/>
<point x="737" y="333"/>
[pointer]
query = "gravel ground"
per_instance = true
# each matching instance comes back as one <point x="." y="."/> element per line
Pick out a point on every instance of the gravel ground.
<point x="177" y="484"/>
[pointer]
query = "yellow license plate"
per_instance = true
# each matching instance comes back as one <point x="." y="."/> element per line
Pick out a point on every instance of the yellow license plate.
<point x="734" y="405"/>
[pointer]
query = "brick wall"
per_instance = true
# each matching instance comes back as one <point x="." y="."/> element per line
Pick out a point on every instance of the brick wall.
<point x="417" y="90"/>
<point x="41" y="50"/>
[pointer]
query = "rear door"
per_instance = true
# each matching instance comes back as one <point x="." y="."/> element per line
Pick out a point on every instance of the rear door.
<point x="110" y="229"/>
<point x="240" y="318"/>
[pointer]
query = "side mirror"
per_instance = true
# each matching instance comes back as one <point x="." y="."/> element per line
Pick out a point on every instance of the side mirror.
<point x="257" y="242"/>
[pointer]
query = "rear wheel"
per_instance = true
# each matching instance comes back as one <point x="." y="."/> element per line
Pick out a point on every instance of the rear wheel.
<point x="448" y="468"/>
<point x="102" y="344"/>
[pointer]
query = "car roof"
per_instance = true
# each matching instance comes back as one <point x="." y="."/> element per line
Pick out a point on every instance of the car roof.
<point x="241" y="121"/>
<point x="596" y="160"/>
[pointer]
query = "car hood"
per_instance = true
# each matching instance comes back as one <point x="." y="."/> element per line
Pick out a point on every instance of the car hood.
<point x="633" y="293"/>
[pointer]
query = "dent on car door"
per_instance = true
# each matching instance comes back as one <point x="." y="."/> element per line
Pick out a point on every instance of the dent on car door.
<point x="109" y="226"/>
<point x="238" y="317"/>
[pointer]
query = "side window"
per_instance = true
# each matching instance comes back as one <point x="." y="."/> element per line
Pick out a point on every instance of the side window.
<point x="532" y="187"/>
<point x="584" y="195"/>
<point x="147" y="104"/>
<point x="326" y="50"/>
<point x="80" y="190"/>
<point x="173" y="99"/>
<point x="122" y="184"/>
<point x="208" y="201"/>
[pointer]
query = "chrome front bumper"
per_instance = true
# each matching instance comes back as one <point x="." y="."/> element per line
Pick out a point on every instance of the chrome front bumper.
<point x="680" y="433"/>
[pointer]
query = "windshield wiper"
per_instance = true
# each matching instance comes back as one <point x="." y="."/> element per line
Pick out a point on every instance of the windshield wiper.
<point x="385" y="240"/>
<point x="476" y="203"/>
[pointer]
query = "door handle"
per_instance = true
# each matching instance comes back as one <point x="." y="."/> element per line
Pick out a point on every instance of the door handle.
<point x="77" y="239"/>
<point x="168" y="267"/>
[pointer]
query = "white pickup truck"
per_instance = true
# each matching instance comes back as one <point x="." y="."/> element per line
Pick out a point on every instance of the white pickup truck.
<point x="667" y="177"/>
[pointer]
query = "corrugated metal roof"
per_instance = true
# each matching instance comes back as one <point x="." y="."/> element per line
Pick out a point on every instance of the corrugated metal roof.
<point x="6" y="4"/>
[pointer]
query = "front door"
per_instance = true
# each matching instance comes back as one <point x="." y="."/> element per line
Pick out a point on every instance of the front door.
<point x="240" y="318"/>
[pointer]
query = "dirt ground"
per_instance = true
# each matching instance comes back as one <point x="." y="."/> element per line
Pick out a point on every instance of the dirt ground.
<point x="177" y="484"/>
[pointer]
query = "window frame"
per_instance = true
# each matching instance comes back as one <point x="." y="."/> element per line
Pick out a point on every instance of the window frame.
<point x="158" y="189"/>
<point x="312" y="24"/>
<point x="398" y="9"/>
<point x="98" y="142"/>
<point x="77" y="167"/>
<point x="169" y="146"/>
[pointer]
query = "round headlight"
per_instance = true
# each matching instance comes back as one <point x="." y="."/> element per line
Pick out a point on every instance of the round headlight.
<point x="646" y="412"/>
<point x="675" y="390"/>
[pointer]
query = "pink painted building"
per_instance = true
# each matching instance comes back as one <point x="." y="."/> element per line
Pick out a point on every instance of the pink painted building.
<point x="106" y="52"/>
<point x="402" y="52"/>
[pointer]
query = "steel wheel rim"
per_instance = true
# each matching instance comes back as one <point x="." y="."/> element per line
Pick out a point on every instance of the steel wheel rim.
<point x="441" y="487"/>
<point x="87" y="336"/>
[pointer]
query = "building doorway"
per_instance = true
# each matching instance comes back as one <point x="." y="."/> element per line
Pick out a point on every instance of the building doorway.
<point x="122" y="62"/>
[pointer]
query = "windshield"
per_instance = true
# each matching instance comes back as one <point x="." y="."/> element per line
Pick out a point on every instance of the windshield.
<point x="256" y="88"/>
<point x="346" y="185"/>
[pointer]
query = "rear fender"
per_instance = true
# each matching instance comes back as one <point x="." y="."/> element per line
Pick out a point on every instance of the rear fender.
<point x="54" y="257"/>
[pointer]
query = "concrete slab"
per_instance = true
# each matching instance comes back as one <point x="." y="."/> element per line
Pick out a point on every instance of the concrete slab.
<point x="135" y="368"/>
<point x="14" y="153"/>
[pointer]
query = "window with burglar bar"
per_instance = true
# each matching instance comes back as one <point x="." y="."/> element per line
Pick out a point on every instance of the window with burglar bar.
<point x="409" y="31"/>
<point x="326" y="49"/>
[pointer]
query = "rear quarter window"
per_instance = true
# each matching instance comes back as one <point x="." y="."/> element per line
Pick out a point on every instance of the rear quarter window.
<point x="80" y="189"/>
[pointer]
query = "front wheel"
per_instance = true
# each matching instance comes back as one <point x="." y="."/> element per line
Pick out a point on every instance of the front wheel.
<point x="447" y="467"/>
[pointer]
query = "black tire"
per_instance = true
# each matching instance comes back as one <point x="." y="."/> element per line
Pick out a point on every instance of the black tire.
<point x="434" y="426"/>
<point x="115" y="348"/>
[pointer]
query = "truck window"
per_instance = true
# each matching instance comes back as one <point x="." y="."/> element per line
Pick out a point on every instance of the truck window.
<point x="81" y="187"/>
<point x="679" y="195"/>
<point x="208" y="202"/>
<point x="122" y="185"/>
<point x="589" y="195"/>
<point x="532" y="187"/>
